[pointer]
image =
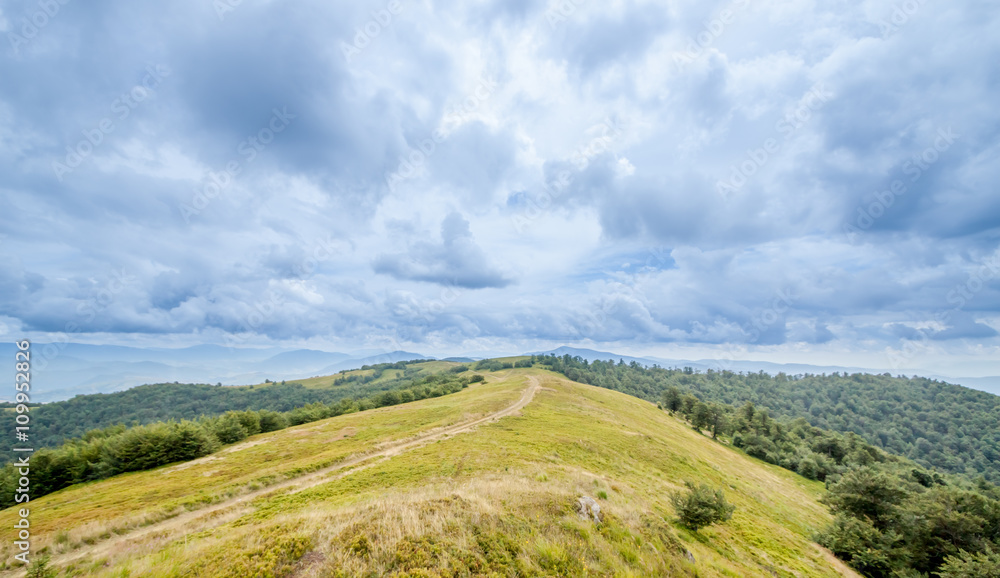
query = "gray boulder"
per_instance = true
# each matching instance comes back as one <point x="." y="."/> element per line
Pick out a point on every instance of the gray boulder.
<point x="588" y="508"/>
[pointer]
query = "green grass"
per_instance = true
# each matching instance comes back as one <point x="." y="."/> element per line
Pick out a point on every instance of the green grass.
<point x="262" y="459"/>
<point x="499" y="500"/>
<point x="326" y="381"/>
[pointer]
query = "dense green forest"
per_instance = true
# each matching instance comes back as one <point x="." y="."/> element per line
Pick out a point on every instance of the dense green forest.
<point x="117" y="449"/>
<point x="935" y="424"/>
<point x="894" y="518"/>
<point x="54" y="423"/>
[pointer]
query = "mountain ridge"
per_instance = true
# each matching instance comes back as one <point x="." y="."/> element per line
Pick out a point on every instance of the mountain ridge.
<point x="501" y="470"/>
<point x="86" y="369"/>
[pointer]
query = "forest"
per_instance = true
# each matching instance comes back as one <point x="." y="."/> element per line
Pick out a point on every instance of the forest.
<point x="53" y="423"/>
<point x="893" y="517"/>
<point x="935" y="424"/>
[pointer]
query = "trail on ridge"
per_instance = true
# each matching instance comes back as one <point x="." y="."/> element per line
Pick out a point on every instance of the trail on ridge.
<point x="300" y="483"/>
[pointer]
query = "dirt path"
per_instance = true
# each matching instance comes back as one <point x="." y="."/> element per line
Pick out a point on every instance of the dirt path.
<point x="298" y="484"/>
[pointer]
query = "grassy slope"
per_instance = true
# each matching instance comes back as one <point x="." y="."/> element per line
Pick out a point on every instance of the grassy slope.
<point x="326" y="381"/>
<point x="156" y="402"/>
<point x="499" y="499"/>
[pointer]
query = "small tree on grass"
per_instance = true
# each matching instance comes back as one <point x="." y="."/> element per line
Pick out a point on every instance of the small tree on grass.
<point x="40" y="569"/>
<point x="701" y="506"/>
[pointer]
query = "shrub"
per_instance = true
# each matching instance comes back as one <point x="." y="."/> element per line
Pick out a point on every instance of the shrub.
<point x="188" y="440"/>
<point x="40" y="569"/>
<point x="866" y="493"/>
<point x="493" y="365"/>
<point x="387" y="398"/>
<point x="966" y="565"/>
<point x="701" y="506"/>
<point x="809" y="468"/>
<point x="759" y="447"/>
<point x="860" y="544"/>
<point x="250" y="420"/>
<point x="271" y="421"/>
<point x="228" y="429"/>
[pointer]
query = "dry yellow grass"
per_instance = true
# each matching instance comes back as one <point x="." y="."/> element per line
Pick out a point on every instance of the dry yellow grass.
<point x="496" y="499"/>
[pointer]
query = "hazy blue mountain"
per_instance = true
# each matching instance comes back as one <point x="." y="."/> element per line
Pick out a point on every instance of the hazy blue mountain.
<point x="63" y="370"/>
<point x="390" y="357"/>
<point x="301" y="360"/>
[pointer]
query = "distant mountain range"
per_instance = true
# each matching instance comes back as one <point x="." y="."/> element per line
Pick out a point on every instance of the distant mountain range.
<point x="65" y="370"/>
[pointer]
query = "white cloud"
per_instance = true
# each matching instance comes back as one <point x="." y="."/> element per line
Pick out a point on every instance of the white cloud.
<point x="311" y="218"/>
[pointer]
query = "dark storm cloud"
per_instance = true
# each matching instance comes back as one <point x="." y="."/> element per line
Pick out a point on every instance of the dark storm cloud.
<point x="863" y="160"/>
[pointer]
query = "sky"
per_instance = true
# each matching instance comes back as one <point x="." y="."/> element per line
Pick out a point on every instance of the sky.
<point x="793" y="180"/>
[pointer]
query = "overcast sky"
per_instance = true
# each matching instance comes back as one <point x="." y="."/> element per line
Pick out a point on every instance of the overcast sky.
<point x="787" y="179"/>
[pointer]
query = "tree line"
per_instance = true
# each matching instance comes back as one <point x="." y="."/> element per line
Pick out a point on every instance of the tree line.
<point x="893" y="516"/>
<point x="935" y="424"/>
<point x="109" y="451"/>
<point x="54" y="423"/>
<point x="377" y="371"/>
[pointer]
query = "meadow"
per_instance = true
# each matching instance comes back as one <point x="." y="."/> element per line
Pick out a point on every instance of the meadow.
<point x="438" y="487"/>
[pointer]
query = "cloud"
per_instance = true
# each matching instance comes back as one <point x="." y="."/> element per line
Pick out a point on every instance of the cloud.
<point x="592" y="39"/>
<point x="797" y="151"/>
<point x="475" y="161"/>
<point x="964" y="326"/>
<point x="456" y="261"/>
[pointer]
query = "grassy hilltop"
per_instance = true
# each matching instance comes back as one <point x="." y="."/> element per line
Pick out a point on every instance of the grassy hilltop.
<point x="54" y="423"/>
<point x="481" y="482"/>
